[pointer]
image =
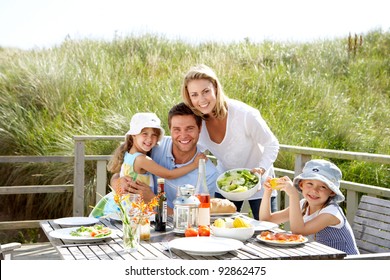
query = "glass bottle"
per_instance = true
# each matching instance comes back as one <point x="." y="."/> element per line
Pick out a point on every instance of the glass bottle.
<point x="203" y="194"/>
<point x="161" y="209"/>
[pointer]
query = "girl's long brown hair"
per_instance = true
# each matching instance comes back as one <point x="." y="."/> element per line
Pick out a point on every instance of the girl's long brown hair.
<point x="114" y="165"/>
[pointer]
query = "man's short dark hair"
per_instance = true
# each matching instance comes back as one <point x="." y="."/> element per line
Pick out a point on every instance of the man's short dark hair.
<point x="182" y="109"/>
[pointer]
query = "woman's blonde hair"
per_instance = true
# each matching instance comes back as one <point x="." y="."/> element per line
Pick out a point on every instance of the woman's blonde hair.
<point x="200" y="72"/>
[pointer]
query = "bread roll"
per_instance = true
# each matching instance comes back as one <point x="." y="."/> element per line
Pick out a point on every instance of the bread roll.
<point x="219" y="205"/>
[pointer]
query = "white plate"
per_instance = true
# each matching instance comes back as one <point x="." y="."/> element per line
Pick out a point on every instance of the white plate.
<point x="64" y="234"/>
<point x="205" y="246"/>
<point x="262" y="225"/>
<point x="282" y="244"/>
<point x="115" y="217"/>
<point x="224" y="214"/>
<point x="76" y="221"/>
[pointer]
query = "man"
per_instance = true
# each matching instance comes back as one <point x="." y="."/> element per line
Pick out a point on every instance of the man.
<point x="172" y="152"/>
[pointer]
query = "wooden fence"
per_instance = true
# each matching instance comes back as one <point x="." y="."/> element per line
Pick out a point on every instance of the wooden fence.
<point x="302" y="155"/>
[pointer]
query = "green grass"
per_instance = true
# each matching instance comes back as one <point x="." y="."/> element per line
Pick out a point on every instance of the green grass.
<point x="311" y="94"/>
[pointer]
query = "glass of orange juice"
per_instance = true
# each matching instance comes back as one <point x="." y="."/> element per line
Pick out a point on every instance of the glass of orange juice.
<point x="274" y="184"/>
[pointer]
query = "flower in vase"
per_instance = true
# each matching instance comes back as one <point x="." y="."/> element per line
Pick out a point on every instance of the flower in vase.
<point x="134" y="212"/>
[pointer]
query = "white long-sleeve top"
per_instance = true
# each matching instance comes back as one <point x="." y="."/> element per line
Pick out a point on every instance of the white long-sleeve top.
<point x="248" y="142"/>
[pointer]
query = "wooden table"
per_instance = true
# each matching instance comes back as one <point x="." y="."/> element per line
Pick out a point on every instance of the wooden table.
<point x="156" y="248"/>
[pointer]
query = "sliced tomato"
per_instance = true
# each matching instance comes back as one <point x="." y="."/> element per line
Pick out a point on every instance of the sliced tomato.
<point x="204" y="231"/>
<point x="191" y="232"/>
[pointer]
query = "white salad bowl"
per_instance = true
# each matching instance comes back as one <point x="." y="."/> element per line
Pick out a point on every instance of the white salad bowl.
<point x="241" y="234"/>
<point x="223" y="182"/>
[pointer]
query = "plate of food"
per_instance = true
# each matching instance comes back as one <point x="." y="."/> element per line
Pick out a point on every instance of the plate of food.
<point x="82" y="234"/>
<point x="281" y="239"/>
<point x="205" y="246"/>
<point x="262" y="225"/>
<point x="76" y="221"/>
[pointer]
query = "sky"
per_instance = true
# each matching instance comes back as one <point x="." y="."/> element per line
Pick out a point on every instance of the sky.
<point x="31" y="24"/>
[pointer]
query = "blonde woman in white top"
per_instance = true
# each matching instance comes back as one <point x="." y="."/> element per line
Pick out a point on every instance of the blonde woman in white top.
<point x="234" y="132"/>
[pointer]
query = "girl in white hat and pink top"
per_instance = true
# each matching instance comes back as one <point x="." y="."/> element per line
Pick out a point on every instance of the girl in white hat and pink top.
<point x="318" y="215"/>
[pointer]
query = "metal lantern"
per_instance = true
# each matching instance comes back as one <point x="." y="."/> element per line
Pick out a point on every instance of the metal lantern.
<point x="185" y="211"/>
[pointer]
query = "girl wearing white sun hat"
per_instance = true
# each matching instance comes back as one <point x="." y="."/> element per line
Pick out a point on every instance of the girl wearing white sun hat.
<point x="318" y="215"/>
<point x="132" y="158"/>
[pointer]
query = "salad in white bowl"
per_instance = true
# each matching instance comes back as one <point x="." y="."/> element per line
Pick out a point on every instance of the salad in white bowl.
<point x="238" y="184"/>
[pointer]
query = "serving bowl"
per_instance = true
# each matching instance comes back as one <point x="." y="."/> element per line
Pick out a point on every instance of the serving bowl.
<point x="241" y="234"/>
<point x="237" y="180"/>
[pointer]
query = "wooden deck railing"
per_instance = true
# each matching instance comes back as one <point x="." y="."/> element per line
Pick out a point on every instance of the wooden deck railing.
<point x="302" y="155"/>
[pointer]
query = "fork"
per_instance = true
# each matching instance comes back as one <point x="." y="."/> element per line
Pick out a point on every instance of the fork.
<point x="167" y="248"/>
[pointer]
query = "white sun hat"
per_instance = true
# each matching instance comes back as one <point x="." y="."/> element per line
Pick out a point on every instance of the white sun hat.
<point x="140" y="121"/>
<point x="324" y="171"/>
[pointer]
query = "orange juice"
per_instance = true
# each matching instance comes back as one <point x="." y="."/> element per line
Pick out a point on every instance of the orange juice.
<point x="274" y="183"/>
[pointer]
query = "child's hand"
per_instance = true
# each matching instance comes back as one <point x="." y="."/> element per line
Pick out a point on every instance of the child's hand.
<point x="200" y="156"/>
<point x="123" y="184"/>
<point x="275" y="183"/>
<point x="267" y="185"/>
<point x="285" y="184"/>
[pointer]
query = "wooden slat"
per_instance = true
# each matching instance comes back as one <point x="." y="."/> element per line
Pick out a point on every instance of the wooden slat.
<point x="371" y="230"/>
<point x="327" y="153"/>
<point x="36" y="189"/>
<point x="19" y="224"/>
<point x="374" y="256"/>
<point x="41" y="159"/>
<point x="366" y="247"/>
<point x="380" y="221"/>
<point x="376" y="201"/>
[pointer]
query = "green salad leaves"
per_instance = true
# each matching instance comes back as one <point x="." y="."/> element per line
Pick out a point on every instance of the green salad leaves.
<point x="96" y="231"/>
<point x="237" y="181"/>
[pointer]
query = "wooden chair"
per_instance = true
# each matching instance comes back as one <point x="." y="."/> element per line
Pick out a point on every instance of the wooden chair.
<point x="371" y="228"/>
<point x="6" y="250"/>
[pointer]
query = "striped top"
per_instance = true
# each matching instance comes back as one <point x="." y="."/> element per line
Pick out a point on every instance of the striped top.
<point x="339" y="236"/>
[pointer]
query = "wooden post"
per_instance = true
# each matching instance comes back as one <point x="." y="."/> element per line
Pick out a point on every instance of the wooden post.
<point x="79" y="178"/>
<point x="352" y="205"/>
<point x="101" y="179"/>
<point x="300" y="160"/>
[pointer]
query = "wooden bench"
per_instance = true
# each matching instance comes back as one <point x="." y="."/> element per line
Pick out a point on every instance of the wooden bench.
<point x="6" y="250"/>
<point x="371" y="227"/>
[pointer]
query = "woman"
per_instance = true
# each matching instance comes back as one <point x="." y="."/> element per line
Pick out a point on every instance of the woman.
<point x="234" y="132"/>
